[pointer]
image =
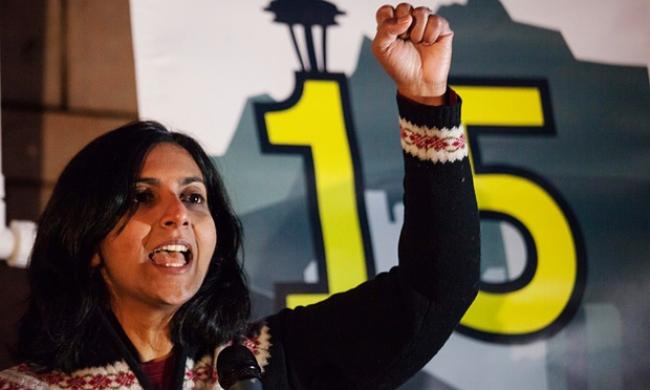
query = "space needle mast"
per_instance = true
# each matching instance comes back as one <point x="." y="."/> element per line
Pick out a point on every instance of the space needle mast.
<point x="308" y="13"/>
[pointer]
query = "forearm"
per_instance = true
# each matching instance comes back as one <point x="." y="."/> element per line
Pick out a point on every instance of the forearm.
<point x="439" y="246"/>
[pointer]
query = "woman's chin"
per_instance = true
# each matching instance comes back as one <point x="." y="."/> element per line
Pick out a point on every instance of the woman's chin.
<point x="174" y="300"/>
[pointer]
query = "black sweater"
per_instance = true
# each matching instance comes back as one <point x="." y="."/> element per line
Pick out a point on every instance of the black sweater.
<point x="374" y="336"/>
<point x="380" y="333"/>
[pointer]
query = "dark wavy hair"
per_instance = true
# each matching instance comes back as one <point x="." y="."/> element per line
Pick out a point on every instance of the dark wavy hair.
<point x="94" y="192"/>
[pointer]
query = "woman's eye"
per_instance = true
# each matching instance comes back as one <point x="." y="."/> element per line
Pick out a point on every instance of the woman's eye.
<point x="193" y="198"/>
<point x="143" y="197"/>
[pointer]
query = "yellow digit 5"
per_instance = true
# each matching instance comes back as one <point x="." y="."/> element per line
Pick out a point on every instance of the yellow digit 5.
<point x="538" y="304"/>
<point x="316" y="119"/>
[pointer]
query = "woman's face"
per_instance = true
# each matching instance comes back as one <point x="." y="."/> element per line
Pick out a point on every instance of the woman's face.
<point x="161" y="255"/>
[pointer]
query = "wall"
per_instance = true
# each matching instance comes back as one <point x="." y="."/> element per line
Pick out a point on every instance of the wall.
<point x="67" y="76"/>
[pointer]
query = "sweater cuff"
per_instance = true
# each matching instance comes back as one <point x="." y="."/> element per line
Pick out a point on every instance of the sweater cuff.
<point x="432" y="133"/>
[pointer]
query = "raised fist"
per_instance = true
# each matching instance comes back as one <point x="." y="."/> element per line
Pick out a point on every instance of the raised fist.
<point x="414" y="47"/>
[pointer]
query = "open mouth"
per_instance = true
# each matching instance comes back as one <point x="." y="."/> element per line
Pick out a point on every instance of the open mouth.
<point x="171" y="255"/>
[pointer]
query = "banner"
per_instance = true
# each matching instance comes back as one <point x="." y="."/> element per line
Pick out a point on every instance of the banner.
<point x="302" y="123"/>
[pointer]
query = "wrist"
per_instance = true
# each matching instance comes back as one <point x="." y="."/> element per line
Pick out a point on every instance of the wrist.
<point x="429" y="100"/>
<point x="435" y="96"/>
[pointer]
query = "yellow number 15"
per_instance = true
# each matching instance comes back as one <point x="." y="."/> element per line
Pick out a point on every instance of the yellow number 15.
<point x="552" y="291"/>
<point x="315" y="121"/>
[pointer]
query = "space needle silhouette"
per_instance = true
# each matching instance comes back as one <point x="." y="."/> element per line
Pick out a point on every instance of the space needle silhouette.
<point x="308" y="13"/>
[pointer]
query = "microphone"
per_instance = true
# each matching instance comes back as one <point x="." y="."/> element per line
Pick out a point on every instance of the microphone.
<point x="238" y="370"/>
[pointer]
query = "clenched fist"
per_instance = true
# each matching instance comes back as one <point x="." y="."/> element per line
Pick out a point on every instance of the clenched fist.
<point x="414" y="47"/>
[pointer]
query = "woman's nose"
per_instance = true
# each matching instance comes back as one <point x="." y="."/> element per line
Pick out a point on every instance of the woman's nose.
<point x="175" y="214"/>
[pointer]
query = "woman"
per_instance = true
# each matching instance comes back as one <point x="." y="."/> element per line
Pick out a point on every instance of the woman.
<point x="135" y="280"/>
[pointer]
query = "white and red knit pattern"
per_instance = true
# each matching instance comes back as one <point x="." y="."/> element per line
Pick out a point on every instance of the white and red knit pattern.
<point x="118" y="375"/>
<point x="433" y="144"/>
<point x="202" y="375"/>
<point x="114" y="376"/>
<point x="260" y="345"/>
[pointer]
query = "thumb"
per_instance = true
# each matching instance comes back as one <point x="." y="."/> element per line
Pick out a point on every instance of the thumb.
<point x="390" y="29"/>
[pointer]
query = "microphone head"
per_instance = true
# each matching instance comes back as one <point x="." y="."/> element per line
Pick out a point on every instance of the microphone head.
<point x="236" y="363"/>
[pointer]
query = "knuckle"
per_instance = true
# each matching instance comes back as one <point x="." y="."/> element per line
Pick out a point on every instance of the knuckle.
<point x="434" y="24"/>
<point x="384" y="9"/>
<point x="438" y="20"/>
<point x="435" y="20"/>
<point x="404" y="7"/>
<point x="421" y="11"/>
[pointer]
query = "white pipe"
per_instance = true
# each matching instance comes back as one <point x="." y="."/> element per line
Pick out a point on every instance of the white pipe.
<point x="7" y="240"/>
<point x="17" y="240"/>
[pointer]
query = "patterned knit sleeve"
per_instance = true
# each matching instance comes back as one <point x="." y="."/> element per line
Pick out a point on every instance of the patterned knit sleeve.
<point x="439" y="243"/>
<point x="382" y="332"/>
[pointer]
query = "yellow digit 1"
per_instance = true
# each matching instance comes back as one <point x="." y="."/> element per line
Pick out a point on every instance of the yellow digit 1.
<point x="534" y="307"/>
<point x="316" y="119"/>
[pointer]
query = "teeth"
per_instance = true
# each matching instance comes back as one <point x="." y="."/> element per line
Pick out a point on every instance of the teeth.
<point x="159" y="258"/>
<point x="171" y="248"/>
<point x="173" y="265"/>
